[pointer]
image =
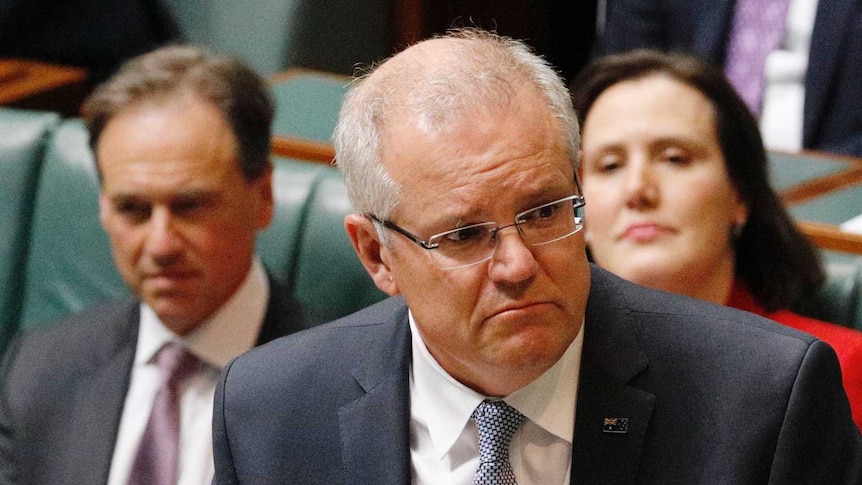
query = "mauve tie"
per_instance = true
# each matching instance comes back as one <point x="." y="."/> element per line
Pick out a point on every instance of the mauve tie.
<point x="157" y="460"/>
<point x="757" y="29"/>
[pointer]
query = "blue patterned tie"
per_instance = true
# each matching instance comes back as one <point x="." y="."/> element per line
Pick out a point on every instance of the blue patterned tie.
<point x="497" y="423"/>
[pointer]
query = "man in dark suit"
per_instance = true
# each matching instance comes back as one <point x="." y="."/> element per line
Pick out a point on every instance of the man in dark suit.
<point x="832" y="112"/>
<point x="181" y="138"/>
<point x="503" y="354"/>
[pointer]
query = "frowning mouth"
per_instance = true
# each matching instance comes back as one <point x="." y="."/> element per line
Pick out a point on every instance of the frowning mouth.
<point x="520" y="310"/>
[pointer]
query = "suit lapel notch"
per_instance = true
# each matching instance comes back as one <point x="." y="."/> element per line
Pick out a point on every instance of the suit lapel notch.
<point x="375" y="428"/>
<point x="375" y="432"/>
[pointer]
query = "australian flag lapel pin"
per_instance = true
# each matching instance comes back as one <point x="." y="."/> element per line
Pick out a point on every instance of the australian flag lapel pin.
<point x="615" y="425"/>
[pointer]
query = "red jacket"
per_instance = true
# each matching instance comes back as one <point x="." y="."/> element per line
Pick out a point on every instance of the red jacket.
<point x="846" y="342"/>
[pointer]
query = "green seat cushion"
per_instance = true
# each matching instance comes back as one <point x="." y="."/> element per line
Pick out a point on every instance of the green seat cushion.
<point x="23" y="136"/>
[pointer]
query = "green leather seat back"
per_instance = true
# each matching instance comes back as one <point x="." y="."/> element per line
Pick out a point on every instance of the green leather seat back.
<point x="23" y="136"/>
<point x="273" y="35"/>
<point x="839" y="300"/>
<point x="307" y="104"/>
<point x="329" y="280"/>
<point x="69" y="266"/>
<point x="293" y="182"/>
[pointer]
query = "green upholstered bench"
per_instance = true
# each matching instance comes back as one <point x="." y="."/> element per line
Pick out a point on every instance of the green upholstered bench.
<point x="840" y="298"/>
<point x="23" y="136"/>
<point x="306" y="110"/>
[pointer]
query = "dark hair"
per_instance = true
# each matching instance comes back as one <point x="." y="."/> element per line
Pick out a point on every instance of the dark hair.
<point x="773" y="259"/>
<point x="239" y="93"/>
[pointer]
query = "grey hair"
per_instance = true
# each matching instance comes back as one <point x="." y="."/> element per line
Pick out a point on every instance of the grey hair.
<point x="482" y="69"/>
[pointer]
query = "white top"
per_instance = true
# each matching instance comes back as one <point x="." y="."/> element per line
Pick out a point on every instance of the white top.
<point x="232" y="330"/>
<point x="444" y="442"/>
<point x="783" y="108"/>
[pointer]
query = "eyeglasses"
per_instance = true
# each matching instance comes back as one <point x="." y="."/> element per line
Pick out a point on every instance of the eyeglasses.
<point x="475" y="243"/>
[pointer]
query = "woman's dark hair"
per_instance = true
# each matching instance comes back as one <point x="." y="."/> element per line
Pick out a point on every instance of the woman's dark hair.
<point x="773" y="259"/>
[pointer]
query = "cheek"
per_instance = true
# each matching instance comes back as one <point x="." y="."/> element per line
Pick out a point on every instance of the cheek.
<point x="601" y="204"/>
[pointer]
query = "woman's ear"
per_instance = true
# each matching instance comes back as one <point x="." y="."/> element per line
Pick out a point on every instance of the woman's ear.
<point x="373" y="255"/>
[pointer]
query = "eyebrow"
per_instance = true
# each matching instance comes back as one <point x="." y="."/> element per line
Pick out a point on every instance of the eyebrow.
<point x="187" y="194"/>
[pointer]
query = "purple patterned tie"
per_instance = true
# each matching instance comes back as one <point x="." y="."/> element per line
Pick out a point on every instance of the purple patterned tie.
<point x="156" y="462"/>
<point x="497" y="423"/>
<point x="758" y="27"/>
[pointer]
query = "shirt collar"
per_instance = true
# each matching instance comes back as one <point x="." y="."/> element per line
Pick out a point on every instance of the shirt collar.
<point x="230" y="331"/>
<point x="549" y="401"/>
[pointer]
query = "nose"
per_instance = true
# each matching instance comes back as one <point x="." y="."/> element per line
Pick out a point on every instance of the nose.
<point x="513" y="261"/>
<point x="163" y="244"/>
<point x="641" y="188"/>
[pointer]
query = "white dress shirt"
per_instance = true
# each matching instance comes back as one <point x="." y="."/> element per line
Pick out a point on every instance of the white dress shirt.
<point x="444" y="443"/>
<point x="782" y="113"/>
<point x="232" y="330"/>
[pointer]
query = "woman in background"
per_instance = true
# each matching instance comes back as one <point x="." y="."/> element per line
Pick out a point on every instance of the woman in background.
<point x="675" y="175"/>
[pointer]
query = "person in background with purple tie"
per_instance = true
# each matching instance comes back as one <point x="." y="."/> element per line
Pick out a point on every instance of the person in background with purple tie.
<point x="796" y="63"/>
<point x="122" y="393"/>
<point x="503" y="356"/>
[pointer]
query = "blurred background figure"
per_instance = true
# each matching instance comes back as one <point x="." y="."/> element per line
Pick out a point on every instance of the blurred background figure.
<point x="122" y="393"/>
<point x="676" y="178"/>
<point x="796" y="63"/>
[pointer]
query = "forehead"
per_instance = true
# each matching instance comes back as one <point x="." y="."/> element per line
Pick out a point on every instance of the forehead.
<point x="651" y="107"/>
<point x="502" y="156"/>
<point x="167" y="145"/>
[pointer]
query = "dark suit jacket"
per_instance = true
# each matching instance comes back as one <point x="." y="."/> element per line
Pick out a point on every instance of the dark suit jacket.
<point x="833" y="100"/>
<point x="713" y="395"/>
<point x="64" y="388"/>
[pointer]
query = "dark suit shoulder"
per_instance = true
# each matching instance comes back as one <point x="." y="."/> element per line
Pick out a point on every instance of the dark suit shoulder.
<point x="70" y="346"/>
<point x="688" y="315"/>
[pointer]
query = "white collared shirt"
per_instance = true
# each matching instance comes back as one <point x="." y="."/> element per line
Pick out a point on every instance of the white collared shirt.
<point x="444" y="441"/>
<point x="230" y="331"/>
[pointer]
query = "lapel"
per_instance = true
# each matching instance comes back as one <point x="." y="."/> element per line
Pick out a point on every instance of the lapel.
<point x="98" y="402"/>
<point x="712" y="27"/>
<point x="612" y="357"/>
<point x="375" y="428"/>
<point x="831" y="24"/>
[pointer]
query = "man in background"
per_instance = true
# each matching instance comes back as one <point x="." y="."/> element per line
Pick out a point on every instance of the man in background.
<point x="123" y="393"/>
<point x="796" y="63"/>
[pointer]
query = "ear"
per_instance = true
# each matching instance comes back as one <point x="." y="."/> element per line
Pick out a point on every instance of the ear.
<point x="739" y="215"/>
<point x="373" y="255"/>
<point x="104" y="209"/>
<point x="265" y="198"/>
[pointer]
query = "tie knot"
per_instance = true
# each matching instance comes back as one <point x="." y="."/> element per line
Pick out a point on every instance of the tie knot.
<point x="497" y="423"/>
<point x="176" y="363"/>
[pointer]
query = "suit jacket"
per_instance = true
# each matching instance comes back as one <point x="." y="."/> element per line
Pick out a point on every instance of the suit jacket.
<point x="64" y="388"/>
<point x="832" y="118"/>
<point x="713" y="395"/>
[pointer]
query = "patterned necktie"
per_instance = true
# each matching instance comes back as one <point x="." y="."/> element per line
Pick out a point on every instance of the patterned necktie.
<point x="156" y="461"/>
<point x="497" y="423"/>
<point x="758" y="28"/>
